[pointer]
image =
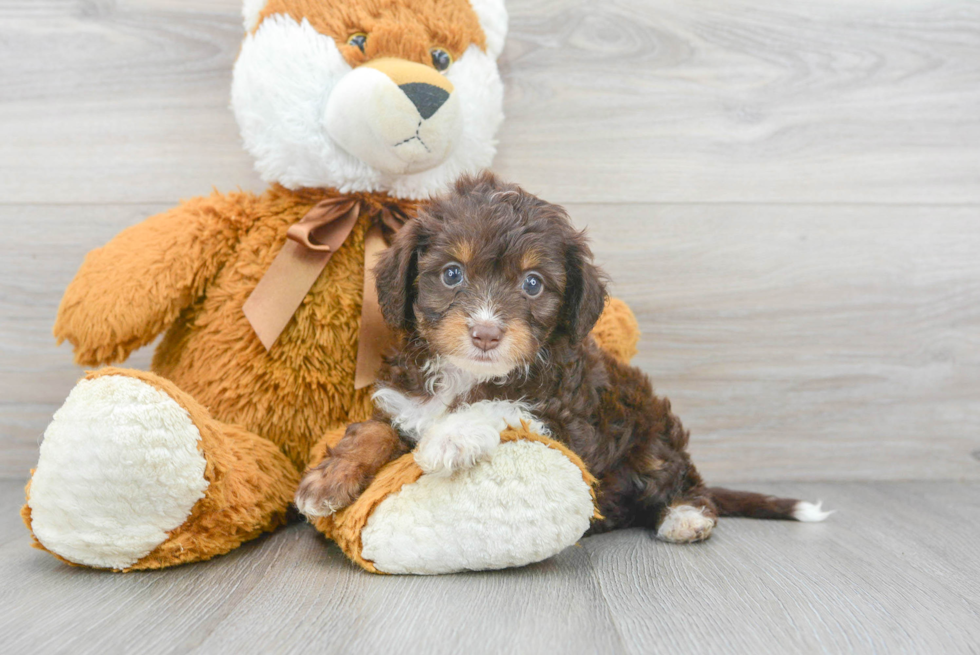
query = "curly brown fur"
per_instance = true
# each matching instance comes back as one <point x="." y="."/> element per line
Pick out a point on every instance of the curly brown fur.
<point x="456" y="283"/>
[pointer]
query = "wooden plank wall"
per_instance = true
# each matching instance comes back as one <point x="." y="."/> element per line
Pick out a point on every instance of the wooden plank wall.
<point x="788" y="194"/>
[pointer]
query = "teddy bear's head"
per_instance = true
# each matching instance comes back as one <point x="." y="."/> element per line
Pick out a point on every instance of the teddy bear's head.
<point x="401" y="96"/>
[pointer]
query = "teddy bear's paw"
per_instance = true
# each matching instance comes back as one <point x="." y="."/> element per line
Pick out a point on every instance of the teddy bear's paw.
<point x="454" y="445"/>
<point x="330" y="487"/>
<point x="119" y="469"/>
<point x="525" y="503"/>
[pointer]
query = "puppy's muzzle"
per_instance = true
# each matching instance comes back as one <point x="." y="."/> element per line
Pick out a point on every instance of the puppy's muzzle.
<point x="485" y="336"/>
<point x="395" y="115"/>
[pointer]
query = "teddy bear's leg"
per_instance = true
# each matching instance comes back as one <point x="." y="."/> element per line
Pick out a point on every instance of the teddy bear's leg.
<point x="617" y="331"/>
<point x="134" y="474"/>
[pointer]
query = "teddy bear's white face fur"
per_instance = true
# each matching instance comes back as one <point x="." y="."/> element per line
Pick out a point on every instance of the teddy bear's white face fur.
<point x="311" y="120"/>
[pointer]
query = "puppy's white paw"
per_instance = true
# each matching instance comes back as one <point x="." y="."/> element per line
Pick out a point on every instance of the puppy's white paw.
<point x="685" y="524"/>
<point x="455" y="444"/>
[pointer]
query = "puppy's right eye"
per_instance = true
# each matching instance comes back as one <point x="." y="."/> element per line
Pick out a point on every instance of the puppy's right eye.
<point x="452" y="275"/>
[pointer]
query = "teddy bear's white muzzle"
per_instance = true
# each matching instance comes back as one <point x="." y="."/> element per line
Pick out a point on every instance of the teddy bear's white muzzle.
<point x="398" y="129"/>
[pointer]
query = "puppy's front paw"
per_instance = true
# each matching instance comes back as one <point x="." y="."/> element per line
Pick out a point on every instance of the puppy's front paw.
<point x="331" y="486"/>
<point x="452" y="446"/>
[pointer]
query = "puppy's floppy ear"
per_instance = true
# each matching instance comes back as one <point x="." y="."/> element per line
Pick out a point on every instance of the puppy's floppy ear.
<point x="396" y="275"/>
<point x="585" y="290"/>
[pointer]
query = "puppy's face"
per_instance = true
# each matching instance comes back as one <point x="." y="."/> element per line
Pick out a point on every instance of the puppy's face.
<point x="488" y="276"/>
<point x="487" y="299"/>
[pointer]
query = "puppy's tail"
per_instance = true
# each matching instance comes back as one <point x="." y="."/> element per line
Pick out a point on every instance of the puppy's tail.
<point x="760" y="506"/>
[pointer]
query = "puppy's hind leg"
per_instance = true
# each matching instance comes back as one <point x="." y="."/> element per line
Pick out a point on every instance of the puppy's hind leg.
<point x="348" y="468"/>
<point x="671" y="500"/>
<point x="674" y="501"/>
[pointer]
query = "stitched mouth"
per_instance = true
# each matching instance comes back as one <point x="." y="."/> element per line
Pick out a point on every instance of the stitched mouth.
<point x="415" y="137"/>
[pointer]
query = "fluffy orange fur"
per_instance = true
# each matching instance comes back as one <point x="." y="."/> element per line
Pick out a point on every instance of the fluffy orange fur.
<point x="408" y="29"/>
<point x="190" y="270"/>
<point x="617" y="331"/>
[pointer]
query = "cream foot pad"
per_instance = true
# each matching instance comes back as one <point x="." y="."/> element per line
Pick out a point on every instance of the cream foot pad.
<point x="530" y="501"/>
<point x="119" y="469"/>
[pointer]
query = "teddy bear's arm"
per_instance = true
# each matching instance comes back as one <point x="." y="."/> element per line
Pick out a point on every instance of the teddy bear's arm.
<point x="135" y="286"/>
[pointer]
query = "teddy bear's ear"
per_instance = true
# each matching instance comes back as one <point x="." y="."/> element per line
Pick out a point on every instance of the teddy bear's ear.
<point x="493" y="20"/>
<point x="251" y="10"/>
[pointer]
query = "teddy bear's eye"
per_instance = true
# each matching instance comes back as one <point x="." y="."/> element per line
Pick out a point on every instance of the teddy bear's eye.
<point x="441" y="59"/>
<point x="358" y="39"/>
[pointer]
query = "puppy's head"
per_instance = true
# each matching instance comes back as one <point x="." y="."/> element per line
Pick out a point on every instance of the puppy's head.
<point x="489" y="275"/>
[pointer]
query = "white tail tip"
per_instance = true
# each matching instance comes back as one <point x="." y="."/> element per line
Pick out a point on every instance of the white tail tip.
<point x="810" y="513"/>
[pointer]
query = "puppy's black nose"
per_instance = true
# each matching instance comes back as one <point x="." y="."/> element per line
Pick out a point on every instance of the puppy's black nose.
<point x="486" y="337"/>
<point x="427" y="98"/>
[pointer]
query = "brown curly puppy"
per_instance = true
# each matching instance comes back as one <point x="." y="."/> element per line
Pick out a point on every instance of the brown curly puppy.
<point x="495" y="293"/>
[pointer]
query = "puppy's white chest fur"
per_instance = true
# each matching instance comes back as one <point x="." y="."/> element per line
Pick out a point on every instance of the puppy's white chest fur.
<point x="448" y="441"/>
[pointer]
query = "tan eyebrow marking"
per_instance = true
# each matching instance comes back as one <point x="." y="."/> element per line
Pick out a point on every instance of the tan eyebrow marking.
<point x="462" y="251"/>
<point x="530" y="259"/>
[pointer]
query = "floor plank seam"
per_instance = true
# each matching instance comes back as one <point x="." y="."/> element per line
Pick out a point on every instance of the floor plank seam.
<point x="605" y="599"/>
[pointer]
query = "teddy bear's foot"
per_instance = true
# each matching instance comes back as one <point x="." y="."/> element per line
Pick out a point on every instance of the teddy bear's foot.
<point x="134" y="474"/>
<point x="530" y="499"/>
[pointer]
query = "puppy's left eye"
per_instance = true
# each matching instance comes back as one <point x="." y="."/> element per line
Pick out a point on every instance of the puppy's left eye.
<point x="532" y="284"/>
<point x="452" y="275"/>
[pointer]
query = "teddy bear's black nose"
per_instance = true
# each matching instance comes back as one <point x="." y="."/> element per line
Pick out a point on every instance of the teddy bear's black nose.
<point x="426" y="97"/>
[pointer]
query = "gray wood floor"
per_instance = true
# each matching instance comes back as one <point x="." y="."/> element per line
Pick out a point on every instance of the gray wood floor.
<point x="788" y="195"/>
<point x="895" y="571"/>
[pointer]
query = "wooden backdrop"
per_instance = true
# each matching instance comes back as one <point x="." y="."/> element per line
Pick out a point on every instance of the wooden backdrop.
<point x="789" y="198"/>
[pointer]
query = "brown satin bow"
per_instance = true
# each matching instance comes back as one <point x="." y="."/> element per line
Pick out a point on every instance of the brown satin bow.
<point x="311" y="242"/>
<point x="313" y="231"/>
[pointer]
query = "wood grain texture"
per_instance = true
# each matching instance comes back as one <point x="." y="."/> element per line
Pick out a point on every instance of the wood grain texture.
<point x="744" y="101"/>
<point x="796" y="342"/>
<point x="885" y="574"/>
<point x="893" y="571"/>
<point x="638" y="100"/>
<point x="43" y="247"/>
<point x="122" y="101"/>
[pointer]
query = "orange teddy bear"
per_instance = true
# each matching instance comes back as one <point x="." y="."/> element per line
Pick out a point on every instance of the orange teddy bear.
<point x="354" y="113"/>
